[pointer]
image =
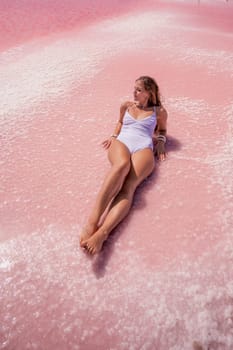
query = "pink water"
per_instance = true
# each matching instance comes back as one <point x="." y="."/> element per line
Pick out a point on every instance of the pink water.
<point x="164" y="280"/>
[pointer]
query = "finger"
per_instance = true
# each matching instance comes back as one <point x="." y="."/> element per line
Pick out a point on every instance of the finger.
<point x="105" y="142"/>
<point x="162" y="157"/>
<point x="107" y="145"/>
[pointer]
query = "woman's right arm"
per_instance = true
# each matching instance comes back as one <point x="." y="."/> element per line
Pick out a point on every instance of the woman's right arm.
<point x="106" y="144"/>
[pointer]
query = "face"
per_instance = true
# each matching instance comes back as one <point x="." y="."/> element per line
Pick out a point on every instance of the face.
<point x="140" y="94"/>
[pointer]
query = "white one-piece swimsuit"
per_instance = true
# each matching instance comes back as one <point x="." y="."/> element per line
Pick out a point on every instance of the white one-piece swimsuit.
<point x="136" y="134"/>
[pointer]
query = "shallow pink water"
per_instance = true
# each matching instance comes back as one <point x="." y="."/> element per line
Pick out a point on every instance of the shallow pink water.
<point x="164" y="278"/>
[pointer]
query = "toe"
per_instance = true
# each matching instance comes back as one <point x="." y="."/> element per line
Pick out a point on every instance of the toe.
<point x="89" y="248"/>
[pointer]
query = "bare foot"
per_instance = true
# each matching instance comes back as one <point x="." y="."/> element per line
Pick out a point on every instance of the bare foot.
<point x="86" y="232"/>
<point x="94" y="244"/>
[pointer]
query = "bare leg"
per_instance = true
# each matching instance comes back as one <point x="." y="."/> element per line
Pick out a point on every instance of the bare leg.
<point x="119" y="157"/>
<point x="141" y="167"/>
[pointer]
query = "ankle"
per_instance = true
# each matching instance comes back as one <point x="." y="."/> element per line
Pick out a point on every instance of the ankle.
<point x="103" y="233"/>
<point x="89" y="226"/>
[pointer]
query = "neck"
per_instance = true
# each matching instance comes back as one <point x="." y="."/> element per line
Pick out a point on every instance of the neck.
<point x="142" y="106"/>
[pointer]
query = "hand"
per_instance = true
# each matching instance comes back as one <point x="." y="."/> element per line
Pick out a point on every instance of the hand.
<point x="106" y="143"/>
<point x="160" y="150"/>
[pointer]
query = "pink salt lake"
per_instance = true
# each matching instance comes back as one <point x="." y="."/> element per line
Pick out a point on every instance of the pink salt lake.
<point x="164" y="280"/>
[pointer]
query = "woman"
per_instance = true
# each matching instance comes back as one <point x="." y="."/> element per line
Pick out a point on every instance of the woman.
<point x="130" y="152"/>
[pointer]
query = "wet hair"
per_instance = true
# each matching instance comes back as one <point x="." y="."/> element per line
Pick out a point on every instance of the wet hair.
<point x="152" y="87"/>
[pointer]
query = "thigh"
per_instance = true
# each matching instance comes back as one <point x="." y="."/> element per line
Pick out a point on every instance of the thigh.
<point x="118" y="153"/>
<point x="142" y="165"/>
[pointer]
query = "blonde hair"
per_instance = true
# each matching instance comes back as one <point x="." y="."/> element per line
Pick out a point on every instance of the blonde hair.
<point x="152" y="87"/>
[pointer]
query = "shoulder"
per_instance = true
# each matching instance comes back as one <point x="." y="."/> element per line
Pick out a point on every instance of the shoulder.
<point x="123" y="108"/>
<point x="125" y="105"/>
<point x="161" y="113"/>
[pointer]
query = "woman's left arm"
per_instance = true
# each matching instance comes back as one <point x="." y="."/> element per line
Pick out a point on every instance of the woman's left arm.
<point x="161" y="132"/>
